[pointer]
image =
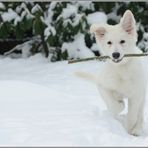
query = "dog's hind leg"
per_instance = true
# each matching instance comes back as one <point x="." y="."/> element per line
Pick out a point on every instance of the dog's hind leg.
<point x="114" y="105"/>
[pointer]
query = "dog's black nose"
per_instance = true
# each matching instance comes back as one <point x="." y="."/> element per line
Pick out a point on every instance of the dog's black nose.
<point x="116" y="55"/>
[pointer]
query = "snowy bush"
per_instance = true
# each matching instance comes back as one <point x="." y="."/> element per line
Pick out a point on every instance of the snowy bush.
<point x="60" y="30"/>
<point x="144" y="43"/>
<point x="77" y="48"/>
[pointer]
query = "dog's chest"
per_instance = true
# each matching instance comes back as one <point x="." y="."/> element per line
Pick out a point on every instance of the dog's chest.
<point x="124" y="83"/>
<point x="122" y="79"/>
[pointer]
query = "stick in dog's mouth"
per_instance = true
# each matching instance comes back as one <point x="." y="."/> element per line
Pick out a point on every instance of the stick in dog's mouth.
<point x="104" y="58"/>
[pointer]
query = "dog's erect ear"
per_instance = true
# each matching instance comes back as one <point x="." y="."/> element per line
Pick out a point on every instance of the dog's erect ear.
<point x="128" y="22"/>
<point x="98" y="30"/>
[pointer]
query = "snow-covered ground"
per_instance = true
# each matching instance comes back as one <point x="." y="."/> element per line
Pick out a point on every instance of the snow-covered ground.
<point x="43" y="103"/>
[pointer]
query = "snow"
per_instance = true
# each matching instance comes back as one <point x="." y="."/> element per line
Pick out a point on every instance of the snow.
<point x="9" y="16"/>
<point x="113" y="15"/>
<point x="77" y="48"/>
<point x="95" y="47"/>
<point x="2" y="6"/>
<point x="85" y="5"/>
<point x="97" y="18"/>
<point x="144" y="43"/>
<point x="44" y="104"/>
<point x="24" y="48"/>
<point x="36" y="8"/>
<point x="50" y="30"/>
<point x="48" y="16"/>
<point x="17" y="20"/>
<point x="24" y="13"/>
<point x="53" y="5"/>
<point x="20" y="7"/>
<point x="69" y="11"/>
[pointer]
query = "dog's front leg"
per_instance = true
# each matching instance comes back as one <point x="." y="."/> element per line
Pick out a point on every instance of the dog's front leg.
<point x="135" y="116"/>
<point x="114" y="105"/>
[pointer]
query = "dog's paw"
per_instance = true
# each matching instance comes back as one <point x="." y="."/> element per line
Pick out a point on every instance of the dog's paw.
<point x="135" y="132"/>
<point x="134" y="129"/>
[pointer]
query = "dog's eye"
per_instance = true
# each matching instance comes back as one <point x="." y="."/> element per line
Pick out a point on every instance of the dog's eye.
<point x="122" y="41"/>
<point x="109" y="42"/>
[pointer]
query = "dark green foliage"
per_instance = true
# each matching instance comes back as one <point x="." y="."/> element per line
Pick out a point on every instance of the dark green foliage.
<point x="6" y="30"/>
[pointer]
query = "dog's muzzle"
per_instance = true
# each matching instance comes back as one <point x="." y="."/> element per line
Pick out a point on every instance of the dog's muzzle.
<point x="116" y="57"/>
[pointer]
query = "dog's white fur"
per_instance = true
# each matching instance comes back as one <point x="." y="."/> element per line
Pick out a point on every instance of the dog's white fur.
<point x="124" y="79"/>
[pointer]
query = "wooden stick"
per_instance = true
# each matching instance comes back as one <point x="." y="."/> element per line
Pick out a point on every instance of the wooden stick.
<point x="102" y="58"/>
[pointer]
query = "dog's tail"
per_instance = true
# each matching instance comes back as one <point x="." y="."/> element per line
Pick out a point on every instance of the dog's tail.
<point x="86" y="76"/>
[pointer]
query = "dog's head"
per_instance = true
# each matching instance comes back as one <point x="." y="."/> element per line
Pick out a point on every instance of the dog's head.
<point x="116" y="40"/>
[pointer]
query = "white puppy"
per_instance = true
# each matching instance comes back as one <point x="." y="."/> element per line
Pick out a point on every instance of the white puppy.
<point x="121" y="77"/>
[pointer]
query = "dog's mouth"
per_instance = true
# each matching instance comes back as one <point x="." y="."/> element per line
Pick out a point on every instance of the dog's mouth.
<point x="117" y="60"/>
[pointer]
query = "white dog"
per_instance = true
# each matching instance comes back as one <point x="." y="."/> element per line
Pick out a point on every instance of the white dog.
<point x="121" y="77"/>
